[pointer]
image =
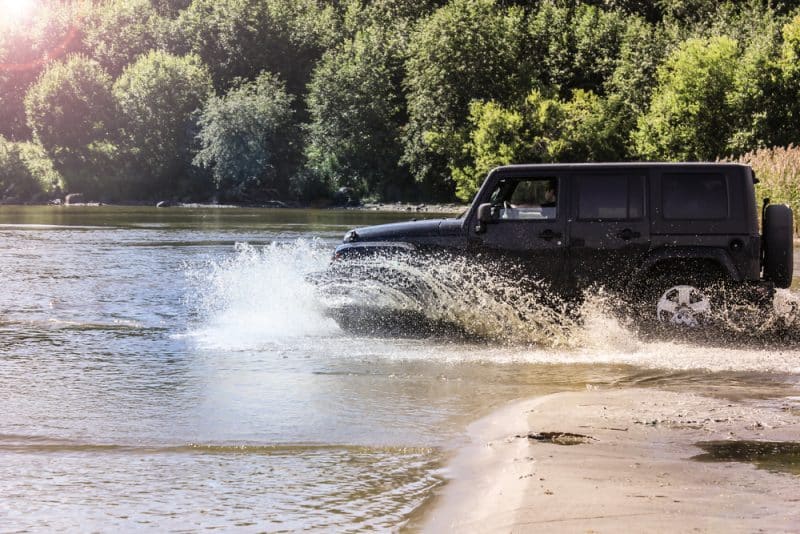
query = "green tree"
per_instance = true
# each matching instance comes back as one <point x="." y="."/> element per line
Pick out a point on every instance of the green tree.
<point x="242" y="38"/>
<point x="170" y="8"/>
<point x="357" y="113"/>
<point x="690" y="115"/>
<point x="783" y="109"/>
<point x="159" y="97"/>
<point x="397" y="15"/>
<point x="541" y="130"/>
<point x="642" y="50"/>
<point x="25" y="48"/>
<point x="248" y="140"/>
<point x="117" y="32"/>
<point x="758" y="98"/>
<point x="468" y="49"/>
<point x="574" y="47"/>
<point x="71" y="112"/>
<point x="25" y="172"/>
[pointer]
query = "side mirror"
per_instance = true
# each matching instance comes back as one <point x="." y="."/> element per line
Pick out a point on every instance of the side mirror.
<point x="485" y="213"/>
<point x="484" y="217"/>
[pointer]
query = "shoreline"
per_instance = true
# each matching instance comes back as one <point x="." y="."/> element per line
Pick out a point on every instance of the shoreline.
<point x="634" y="468"/>
<point x="447" y="208"/>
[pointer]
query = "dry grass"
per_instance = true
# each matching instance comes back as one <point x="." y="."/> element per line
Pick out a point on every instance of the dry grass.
<point x="778" y="170"/>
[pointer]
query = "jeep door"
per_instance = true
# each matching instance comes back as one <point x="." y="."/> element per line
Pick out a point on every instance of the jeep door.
<point x="609" y="231"/>
<point x="528" y="226"/>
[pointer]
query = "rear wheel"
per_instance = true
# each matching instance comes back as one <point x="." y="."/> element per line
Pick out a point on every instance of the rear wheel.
<point x="684" y="306"/>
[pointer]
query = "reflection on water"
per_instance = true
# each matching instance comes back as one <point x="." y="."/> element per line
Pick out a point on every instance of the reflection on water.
<point x="155" y="374"/>
<point x="280" y="488"/>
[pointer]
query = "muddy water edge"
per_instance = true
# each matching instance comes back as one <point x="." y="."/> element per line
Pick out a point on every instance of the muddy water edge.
<point x="172" y="369"/>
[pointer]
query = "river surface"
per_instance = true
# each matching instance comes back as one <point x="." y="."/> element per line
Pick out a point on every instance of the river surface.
<point x="175" y="370"/>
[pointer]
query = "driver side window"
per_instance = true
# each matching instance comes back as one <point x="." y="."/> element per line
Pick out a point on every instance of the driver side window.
<point x="526" y="198"/>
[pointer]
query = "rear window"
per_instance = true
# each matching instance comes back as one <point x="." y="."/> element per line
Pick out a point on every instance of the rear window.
<point x="610" y="197"/>
<point x="694" y="196"/>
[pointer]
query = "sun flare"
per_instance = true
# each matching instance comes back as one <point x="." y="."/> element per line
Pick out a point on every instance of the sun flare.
<point x="15" y="10"/>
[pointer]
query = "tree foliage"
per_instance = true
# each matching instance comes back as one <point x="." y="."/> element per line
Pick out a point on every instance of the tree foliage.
<point x="120" y="31"/>
<point x="71" y="112"/>
<point x="26" y="172"/>
<point x="574" y="47"/>
<point x="241" y="38"/>
<point x="468" y="49"/>
<point x="158" y="99"/>
<point x="247" y="137"/>
<point x="399" y="99"/>
<point x="25" y="50"/>
<point x="690" y="116"/>
<point x="541" y="130"/>
<point x="357" y="114"/>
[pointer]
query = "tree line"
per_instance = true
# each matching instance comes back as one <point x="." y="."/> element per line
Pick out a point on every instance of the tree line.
<point x="257" y="100"/>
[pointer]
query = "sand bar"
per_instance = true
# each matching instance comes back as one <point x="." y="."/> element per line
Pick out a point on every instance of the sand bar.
<point x="633" y="474"/>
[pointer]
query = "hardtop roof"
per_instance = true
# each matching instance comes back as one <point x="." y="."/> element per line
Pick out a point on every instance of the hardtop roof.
<point x="694" y="165"/>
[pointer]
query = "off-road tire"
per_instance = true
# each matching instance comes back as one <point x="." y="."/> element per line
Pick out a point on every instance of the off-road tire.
<point x="778" y="245"/>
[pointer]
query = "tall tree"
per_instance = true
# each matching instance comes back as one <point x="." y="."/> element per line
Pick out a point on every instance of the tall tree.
<point x="690" y="115"/>
<point x="357" y="113"/>
<point x="468" y="49"/>
<point x="118" y="32"/>
<point x="26" y="47"/>
<point x="71" y="112"/>
<point x="159" y="98"/>
<point x="249" y="141"/>
<point x="573" y="47"/>
<point x="242" y="38"/>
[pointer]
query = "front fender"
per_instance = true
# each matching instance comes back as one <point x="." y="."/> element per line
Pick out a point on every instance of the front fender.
<point x="372" y="247"/>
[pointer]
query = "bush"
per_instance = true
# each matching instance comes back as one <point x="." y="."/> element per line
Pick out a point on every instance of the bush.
<point x="26" y="173"/>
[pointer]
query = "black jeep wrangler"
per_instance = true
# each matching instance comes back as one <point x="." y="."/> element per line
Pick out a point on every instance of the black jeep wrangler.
<point x="662" y="233"/>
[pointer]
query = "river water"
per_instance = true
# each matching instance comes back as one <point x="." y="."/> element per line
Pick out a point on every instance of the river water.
<point x="175" y="370"/>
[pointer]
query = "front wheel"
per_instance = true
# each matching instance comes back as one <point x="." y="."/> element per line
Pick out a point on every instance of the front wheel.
<point x="683" y="306"/>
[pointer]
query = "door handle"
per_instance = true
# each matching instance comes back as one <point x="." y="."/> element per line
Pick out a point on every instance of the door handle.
<point x="548" y="234"/>
<point x="627" y="234"/>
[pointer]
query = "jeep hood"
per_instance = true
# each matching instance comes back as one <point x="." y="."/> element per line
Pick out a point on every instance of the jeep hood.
<point x="406" y="230"/>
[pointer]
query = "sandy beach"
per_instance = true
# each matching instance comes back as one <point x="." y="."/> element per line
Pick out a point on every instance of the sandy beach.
<point x="633" y="471"/>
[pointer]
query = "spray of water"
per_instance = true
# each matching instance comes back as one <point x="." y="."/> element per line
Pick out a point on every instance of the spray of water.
<point x="479" y="297"/>
<point x="260" y="295"/>
<point x="491" y="300"/>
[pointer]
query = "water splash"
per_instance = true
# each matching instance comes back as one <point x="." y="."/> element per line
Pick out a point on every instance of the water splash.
<point x="491" y="300"/>
<point x="260" y="295"/>
<point x="479" y="297"/>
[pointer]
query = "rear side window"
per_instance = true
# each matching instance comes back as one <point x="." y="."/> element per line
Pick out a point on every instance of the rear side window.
<point x="692" y="196"/>
<point x="610" y="197"/>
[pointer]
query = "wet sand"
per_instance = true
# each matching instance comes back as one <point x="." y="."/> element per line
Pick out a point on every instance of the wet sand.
<point x="633" y="472"/>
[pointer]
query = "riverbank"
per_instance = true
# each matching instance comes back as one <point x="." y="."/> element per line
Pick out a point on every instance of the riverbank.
<point x="449" y="208"/>
<point x="630" y="468"/>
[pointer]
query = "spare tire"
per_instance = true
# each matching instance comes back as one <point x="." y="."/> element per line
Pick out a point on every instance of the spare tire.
<point x="778" y="244"/>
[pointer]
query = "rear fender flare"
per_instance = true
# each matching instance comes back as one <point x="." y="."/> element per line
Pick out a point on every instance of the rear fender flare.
<point x="720" y="257"/>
